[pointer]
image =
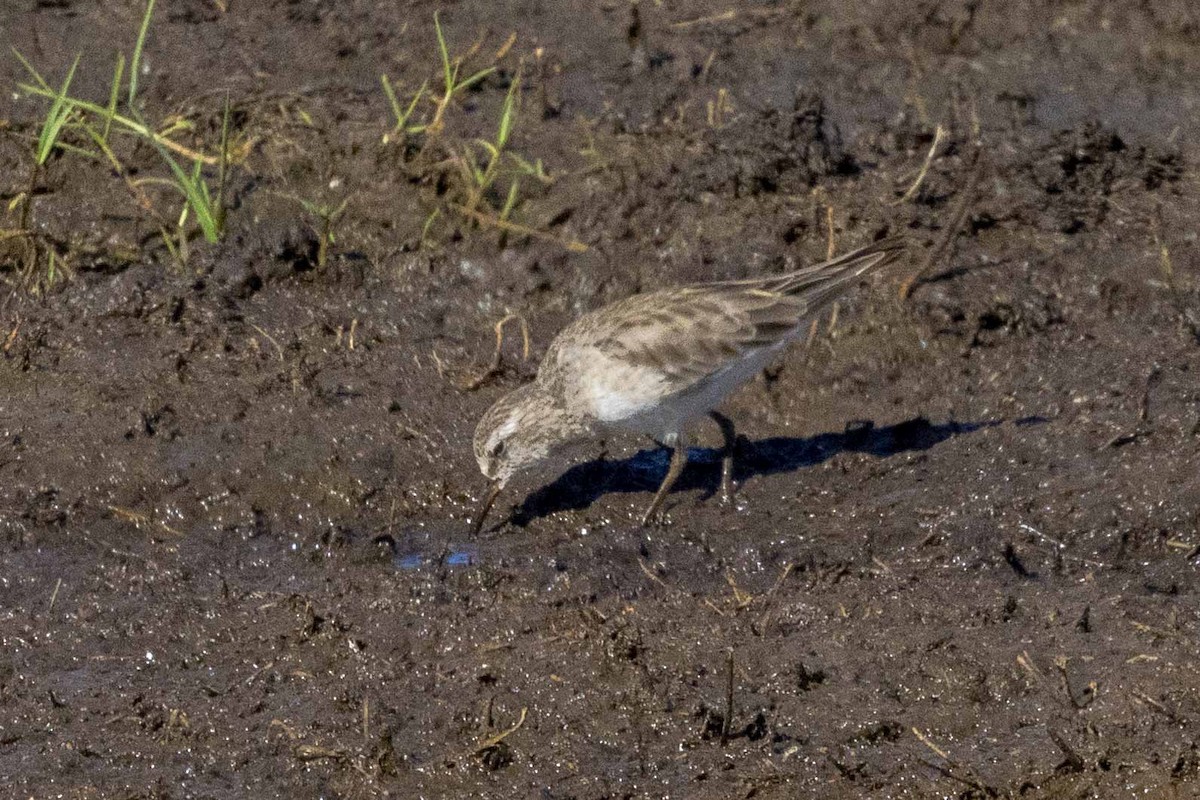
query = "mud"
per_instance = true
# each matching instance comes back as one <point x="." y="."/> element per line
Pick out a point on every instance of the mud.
<point x="962" y="557"/>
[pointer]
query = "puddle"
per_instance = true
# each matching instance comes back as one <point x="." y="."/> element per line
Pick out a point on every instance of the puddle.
<point x="451" y="558"/>
<point x="424" y="548"/>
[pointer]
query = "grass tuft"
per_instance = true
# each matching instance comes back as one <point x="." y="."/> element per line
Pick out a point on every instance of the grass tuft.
<point x="402" y="115"/>
<point x="451" y="68"/>
<point x="326" y="216"/>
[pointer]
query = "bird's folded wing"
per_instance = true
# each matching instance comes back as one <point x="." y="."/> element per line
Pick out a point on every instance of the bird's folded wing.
<point x="690" y="333"/>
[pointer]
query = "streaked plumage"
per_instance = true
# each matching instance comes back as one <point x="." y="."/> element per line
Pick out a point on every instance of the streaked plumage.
<point x="654" y="362"/>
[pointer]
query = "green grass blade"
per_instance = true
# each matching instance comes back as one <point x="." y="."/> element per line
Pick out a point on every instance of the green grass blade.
<point x="416" y="98"/>
<point x="511" y="202"/>
<point x="207" y="213"/>
<point x="474" y="79"/>
<point x="79" y="151"/>
<point x="223" y="167"/>
<point x="60" y="111"/>
<point x="447" y="71"/>
<point x="135" y="64"/>
<point x="135" y="126"/>
<point x="111" y="110"/>
<point x="393" y="101"/>
<point x="492" y="150"/>
<point x="402" y="115"/>
<point x="195" y="193"/>
<point x="508" y="115"/>
<point x="36" y="75"/>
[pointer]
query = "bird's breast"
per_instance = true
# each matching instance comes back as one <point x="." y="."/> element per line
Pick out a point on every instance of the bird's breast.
<point x="618" y="392"/>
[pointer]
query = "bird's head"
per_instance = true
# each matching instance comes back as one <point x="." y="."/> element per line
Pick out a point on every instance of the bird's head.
<point x="512" y="435"/>
<point x="520" y="430"/>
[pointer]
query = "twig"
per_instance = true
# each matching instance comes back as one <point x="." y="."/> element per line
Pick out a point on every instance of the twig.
<point x="1025" y="527"/>
<point x="760" y="624"/>
<point x="951" y="230"/>
<point x="812" y="334"/>
<point x="724" y="16"/>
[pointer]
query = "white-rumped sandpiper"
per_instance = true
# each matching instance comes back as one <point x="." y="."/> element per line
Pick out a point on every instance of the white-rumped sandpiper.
<point x="655" y="362"/>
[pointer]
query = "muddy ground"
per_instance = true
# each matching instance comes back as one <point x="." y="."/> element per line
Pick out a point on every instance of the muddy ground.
<point x="962" y="558"/>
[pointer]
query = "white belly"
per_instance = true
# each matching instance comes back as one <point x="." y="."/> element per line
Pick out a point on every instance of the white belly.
<point x="644" y="400"/>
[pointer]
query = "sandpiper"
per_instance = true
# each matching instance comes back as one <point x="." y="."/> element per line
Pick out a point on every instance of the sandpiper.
<point x="655" y="362"/>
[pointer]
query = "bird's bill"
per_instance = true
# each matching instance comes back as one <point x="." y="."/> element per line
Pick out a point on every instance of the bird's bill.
<point x="489" y="498"/>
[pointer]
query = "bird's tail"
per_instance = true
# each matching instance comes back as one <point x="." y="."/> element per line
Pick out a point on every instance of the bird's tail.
<point x="821" y="283"/>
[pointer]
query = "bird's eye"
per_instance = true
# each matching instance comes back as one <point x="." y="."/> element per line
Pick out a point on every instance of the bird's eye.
<point x="498" y="450"/>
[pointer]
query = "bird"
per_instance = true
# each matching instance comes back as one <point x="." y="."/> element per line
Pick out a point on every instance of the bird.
<point x="654" y="363"/>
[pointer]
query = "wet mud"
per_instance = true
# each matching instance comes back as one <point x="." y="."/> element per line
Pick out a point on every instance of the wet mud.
<point x="962" y="556"/>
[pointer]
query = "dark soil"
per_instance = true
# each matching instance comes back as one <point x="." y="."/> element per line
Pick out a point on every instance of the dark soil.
<point x="962" y="559"/>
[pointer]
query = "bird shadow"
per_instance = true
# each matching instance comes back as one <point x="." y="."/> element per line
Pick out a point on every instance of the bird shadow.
<point x="582" y="485"/>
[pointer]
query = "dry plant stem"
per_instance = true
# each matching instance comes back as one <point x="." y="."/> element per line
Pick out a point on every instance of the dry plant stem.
<point x="1074" y="762"/>
<point x="504" y="48"/>
<point x="946" y="772"/>
<point x="831" y="245"/>
<point x="140" y="130"/>
<point x="497" y="356"/>
<point x="649" y="573"/>
<point x="724" y="16"/>
<point x="12" y="337"/>
<point x="31" y="246"/>
<point x="140" y="198"/>
<point x="971" y="780"/>
<point x="54" y="594"/>
<point x="27" y="203"/>
<point x="1167" y="267"/>
<point x="492" y="741"/>
<point x="487" y="219"/>
<point x="727" y="723"/>
<point x="951" y="231"/>
<point x="938" y="134"/>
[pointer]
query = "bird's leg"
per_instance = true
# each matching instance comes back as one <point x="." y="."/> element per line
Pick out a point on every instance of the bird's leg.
<point x="730" y="434"/>
<point x="678" y="461"/>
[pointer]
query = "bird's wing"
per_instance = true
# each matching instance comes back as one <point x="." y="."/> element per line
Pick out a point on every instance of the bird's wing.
<point x="694" y="331"/>
<point x="626" y="355"/>
<point x="689" y="333"/>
